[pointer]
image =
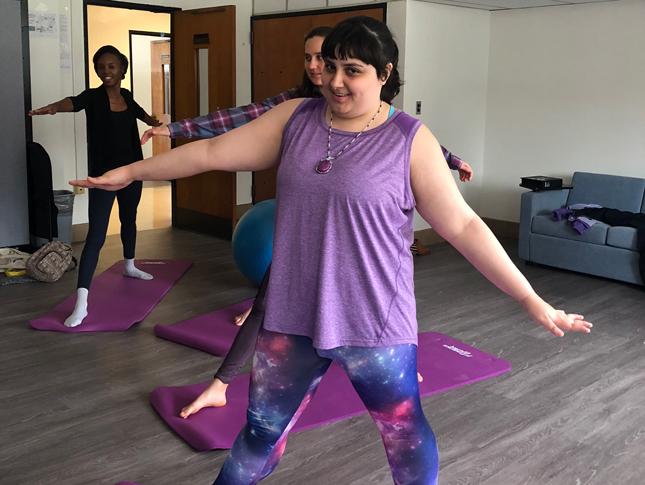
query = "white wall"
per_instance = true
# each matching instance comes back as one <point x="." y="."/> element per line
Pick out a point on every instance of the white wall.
<point x="275" y="6"/>
<point x="53" y="67"/>
<point x="566" y="93"/>
<point x="446" y="68"/>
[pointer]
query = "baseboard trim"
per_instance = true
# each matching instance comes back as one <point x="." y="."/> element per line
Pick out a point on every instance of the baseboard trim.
<point x="240" y="210"/>
<point x="505" y="229"/>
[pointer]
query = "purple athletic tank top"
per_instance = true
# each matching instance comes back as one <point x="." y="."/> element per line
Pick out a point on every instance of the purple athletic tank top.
<point x="342" y="271"/>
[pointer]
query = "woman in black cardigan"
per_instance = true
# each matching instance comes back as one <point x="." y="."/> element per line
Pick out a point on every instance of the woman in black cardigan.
<point x="113" y="141"/>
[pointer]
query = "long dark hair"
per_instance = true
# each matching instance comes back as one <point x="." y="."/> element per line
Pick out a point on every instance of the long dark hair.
<point x="370" y="41"/>
<point x="307" y="89"/>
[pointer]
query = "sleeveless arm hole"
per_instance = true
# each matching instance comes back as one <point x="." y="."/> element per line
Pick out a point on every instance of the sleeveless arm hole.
<point x="409" y="126"/>
<point x="307" y="104"/>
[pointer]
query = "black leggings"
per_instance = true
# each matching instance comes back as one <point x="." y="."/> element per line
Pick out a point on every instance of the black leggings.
<point x="614" y="217"/>
<point x="244" y="344"/>
<point x="100" y="206"/>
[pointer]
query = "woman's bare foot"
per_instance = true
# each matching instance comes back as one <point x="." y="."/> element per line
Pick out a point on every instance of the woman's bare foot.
<point x="419" y="377"/>
<point x="213" y="396"/>
<point x="241" y="318"/>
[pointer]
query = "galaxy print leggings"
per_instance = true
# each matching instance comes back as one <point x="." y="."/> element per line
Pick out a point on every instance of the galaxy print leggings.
<point x="286" y="372"/>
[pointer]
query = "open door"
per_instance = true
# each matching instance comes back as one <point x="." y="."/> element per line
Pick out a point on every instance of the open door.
<point x="276" y="70"/>
<point x="203" y="55"/>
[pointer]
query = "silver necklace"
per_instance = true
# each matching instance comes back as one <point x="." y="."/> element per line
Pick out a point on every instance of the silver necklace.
<point x="327" y="163"/>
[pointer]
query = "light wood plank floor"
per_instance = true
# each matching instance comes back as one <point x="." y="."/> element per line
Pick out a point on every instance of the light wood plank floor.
<point x="74" y="408"/>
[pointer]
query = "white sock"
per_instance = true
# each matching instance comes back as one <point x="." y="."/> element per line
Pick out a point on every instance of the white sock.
<point x="132" y="271"/>
<point x="80" y="309"/>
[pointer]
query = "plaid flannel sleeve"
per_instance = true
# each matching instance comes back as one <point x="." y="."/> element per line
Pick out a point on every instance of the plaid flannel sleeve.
<point x="454" y="162"/>
<point x="224" y="120"/>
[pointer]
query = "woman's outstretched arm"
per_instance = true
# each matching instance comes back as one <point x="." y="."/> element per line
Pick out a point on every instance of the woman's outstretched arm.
<point x="255" y="146"/>
<point x="63" y="106"/>
<point x="440" y="203"/>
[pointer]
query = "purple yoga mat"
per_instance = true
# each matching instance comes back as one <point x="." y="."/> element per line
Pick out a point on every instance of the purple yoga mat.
<point x="115" y="302"/>
<point x="212" y="332"/>
<point x="444" y="362"/>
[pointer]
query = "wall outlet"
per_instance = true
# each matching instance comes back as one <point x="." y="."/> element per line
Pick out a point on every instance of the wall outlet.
<point x="418" y="107"/>
<point x="79" y="190"/>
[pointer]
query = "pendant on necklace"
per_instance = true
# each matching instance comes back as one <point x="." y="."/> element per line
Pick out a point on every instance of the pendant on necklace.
<point x="324" y="165"/>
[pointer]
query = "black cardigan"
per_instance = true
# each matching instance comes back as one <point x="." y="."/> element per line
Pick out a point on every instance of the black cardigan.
<point x="96" y="104"/>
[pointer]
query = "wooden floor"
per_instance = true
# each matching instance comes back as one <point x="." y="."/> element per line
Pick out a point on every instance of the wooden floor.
<point x="74" y="408"/>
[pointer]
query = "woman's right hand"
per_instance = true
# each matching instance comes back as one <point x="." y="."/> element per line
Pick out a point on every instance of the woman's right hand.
<point x="113" y="180"/>
<point x="213" y="396"/>
<point x="50" y="109"/>
<point x="465" y="172"/>
<point x="156" y="131"/>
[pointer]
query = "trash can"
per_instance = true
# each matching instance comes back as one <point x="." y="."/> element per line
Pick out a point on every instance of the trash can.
<point x="64" y="200"/>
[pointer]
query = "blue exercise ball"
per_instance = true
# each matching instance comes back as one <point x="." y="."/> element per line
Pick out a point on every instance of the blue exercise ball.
<point x="253" y="240"/>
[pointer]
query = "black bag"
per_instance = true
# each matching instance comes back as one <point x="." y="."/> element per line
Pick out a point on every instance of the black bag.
<point x="43" y="212"/>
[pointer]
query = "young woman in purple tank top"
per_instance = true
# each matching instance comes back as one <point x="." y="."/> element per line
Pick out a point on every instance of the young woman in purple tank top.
<point x="332" y="162"/>
<point x="223" y="121"/>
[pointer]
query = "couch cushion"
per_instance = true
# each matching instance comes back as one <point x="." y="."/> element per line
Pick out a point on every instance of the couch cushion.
<point x="545" y="225"/>
<point x="613" y="191"/>
<point x="622" y="237"/>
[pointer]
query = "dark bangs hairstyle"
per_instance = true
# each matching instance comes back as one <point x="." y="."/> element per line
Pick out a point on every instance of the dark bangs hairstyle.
<point x="370" y="41"/>
<point x="307" y="89"/>
<point x="110" y="49"/>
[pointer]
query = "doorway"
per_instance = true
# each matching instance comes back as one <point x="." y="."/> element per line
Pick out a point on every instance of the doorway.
<point x="141" y="32"/>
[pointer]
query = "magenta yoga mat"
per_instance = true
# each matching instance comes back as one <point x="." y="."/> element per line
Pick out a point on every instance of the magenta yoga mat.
<point x="116" y="302"/>
<point x="444" y="362"/>
<point x="212" y="332"/>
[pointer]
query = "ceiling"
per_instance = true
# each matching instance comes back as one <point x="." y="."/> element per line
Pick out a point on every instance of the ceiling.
<point x="493" y="5"/>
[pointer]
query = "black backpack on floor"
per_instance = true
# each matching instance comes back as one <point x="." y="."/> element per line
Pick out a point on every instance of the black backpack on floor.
<point x="43" y="212"/>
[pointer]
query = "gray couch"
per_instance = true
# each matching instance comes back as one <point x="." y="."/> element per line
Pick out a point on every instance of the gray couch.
<point x="602" y="250"/>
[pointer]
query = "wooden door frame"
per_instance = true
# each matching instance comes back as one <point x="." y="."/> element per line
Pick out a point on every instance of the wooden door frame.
<point x="160" y="92"/>
<point x="122" y="5"/>
<point x="306" y="13"/>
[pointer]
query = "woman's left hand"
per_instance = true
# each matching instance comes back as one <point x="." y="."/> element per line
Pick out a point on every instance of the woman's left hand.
<point x="113" y="180"/>
<point x="555" y="321"/>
